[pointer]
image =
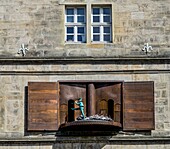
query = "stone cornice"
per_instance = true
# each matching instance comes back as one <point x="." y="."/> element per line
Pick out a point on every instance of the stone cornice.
<point x="83" y="60"/>
<point x="85" y="72"/>
<point x="72" y="139"/>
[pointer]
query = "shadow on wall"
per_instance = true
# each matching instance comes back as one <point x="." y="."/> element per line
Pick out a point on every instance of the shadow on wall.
<point x="26" y="111"/>
<point x="79" y="145"/>
<point x="50" y="145"/>
<point x="90" y="144"/>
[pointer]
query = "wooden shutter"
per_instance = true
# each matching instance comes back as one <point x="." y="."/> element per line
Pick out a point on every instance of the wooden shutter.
<point x="43" y="105"/>
<point x="138" y="106"/>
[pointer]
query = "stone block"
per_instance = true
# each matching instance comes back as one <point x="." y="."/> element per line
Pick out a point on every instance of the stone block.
<point x="11" y="134"/>
<point x="120" y="30"/>
<point x="158" y="22"/>
<point x="159" y="109"/>
<point x="161" y="118"/>
<point x="14" y="116"/>
<point x="30" y="146"/>
<point x="45" y="146"/>
<point x="137" y="15"/>
<point x="163" y="102"/>
<point x="157" y="94"/>
<point x="62" y="77"/>
<point x="160" y="133"/>
<point x="2" y="9"/>
<point x="161" y="85"/>
<point x="112" y="147"/>
<point x="156" y="146"/>
<point x="167" y="126"/>
<point x="63" y="146"/>
<point x="159" y="126"/>
<point x="2" y="114"/>
<point x="88" y="145"/>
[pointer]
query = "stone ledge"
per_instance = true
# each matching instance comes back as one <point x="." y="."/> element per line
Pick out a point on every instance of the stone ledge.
<point x="84" y="139"/>
<point x="139" y="138"/>
<point x="83" y="60"/>
<point x="29" y="139"/>
<point x="85" y="72"/>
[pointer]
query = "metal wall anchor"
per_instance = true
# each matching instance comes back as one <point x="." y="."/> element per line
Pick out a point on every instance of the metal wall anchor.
<point x="23" y="50"/>
<point x="147" y="49"/>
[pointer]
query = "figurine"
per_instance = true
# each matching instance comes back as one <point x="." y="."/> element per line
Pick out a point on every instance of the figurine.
<point x="81" y="107"/>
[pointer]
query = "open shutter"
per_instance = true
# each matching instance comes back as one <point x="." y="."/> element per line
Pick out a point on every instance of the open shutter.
<point x="43" y="105"/>
<point x="138" y="106"/>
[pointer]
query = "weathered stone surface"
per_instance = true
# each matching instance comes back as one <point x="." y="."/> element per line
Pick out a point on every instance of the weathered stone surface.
<point x="87" y="145"/>
<point x="2" y="114"/>
<point x="161" y="85"/>
<point x="41" y="26"/>
<point x="63" y="146"/>
<point x="14" y="116"/>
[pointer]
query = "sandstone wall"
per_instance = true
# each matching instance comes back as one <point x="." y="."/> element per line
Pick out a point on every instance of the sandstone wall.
<point x="82" y="143"/>
<point x="39" y="24"/>
<point x="14" y="79"/>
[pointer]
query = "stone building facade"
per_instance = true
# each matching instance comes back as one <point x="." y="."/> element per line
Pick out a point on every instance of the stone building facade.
<point x="41" y="27"/>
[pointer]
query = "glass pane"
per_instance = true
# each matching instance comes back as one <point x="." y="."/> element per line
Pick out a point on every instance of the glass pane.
<point x="81" y="38"/>
<point x="96" y="19"/>
<point x="80" y="19"/>
<point x="96" y="37"/>
<point x="106" y="37"/>
<point x="106" y="29"/>
<point x="106" y="19"/>
<point x="70" y="37"/>
<point x="106" y="10"/>
<point x="96" y="10"/>
<point x="80" y="11"/>
<point x="70" y="30"/>
<point x="96" y="30"/>
<point x="70" y="19"/>
<point x="81" y="30"/>
<point x="70" y="11"/>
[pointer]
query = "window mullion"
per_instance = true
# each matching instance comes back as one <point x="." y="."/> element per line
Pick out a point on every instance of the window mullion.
<point x="101" y="26"/>
<point x="101" y="33"/>
<point x="75" y="27"/>
<point x="75" y="34"/>
<point x="101" y="15"/>
<point x="75" y="15"/>
<point x="91" y="33"/>
<point x="110" y="33"/>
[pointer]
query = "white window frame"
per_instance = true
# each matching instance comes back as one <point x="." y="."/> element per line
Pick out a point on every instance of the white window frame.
<point x="75" y="24"/>
<point x="101" y="24"/>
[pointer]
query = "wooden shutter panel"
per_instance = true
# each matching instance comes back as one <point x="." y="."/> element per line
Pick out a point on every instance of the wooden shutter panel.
<point x="138" y="106"/>
<point x="43" y="105"/>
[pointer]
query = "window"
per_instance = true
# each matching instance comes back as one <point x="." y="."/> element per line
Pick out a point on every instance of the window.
<point x="70" y="112"/>
<point x="75" y="24"/>
<point x="101" y="24"/>
<point x="130" y="104"/>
